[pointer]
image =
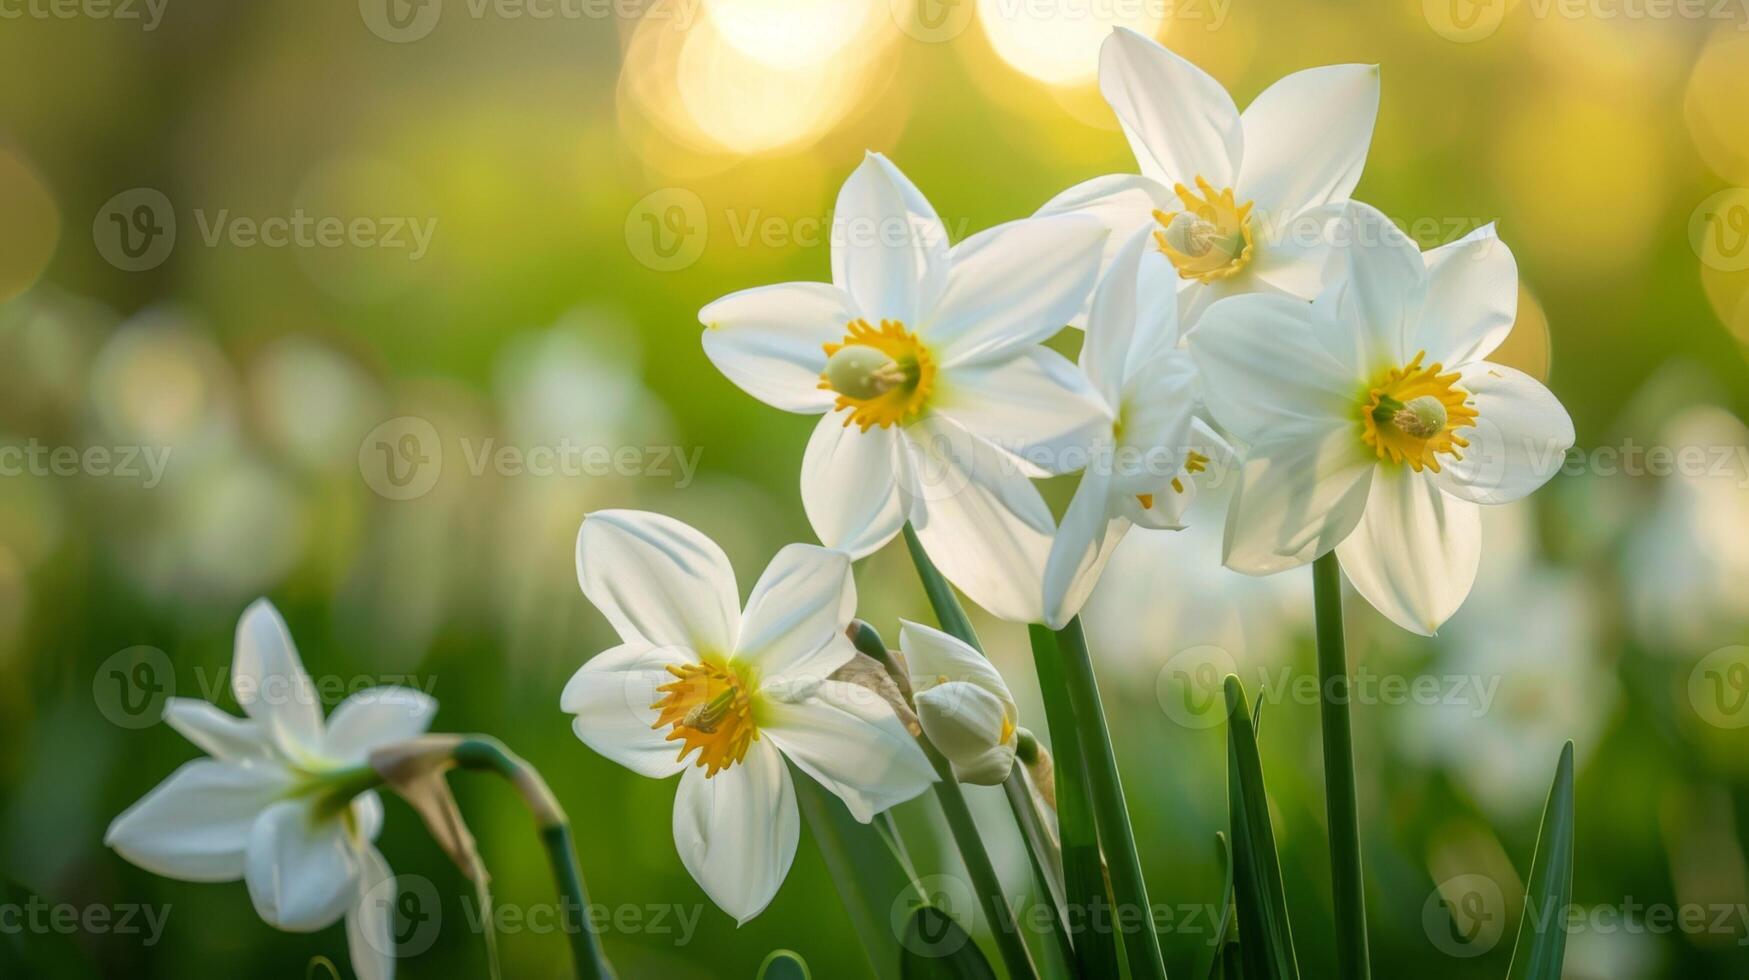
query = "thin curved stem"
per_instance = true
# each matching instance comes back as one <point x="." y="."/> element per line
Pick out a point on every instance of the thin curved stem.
<point x="490" y="755"/>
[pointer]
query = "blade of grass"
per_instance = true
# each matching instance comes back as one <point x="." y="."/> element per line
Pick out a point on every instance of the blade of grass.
<point x="1218" y="942"/>
<point x="936" y="948"/>
<point x="1340" y="804"/>
<point x="1266" y="938"/>
<point x="1542" y="930"/>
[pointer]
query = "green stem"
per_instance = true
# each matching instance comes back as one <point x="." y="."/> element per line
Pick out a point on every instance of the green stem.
<point x="489" y="755"/>
<point x="952" y="617"/>
<point x="1096" y="951"/>
<point x="1141" y="948"/>
<point x="1006" y="931"/>
<point x="1339" y="793"/>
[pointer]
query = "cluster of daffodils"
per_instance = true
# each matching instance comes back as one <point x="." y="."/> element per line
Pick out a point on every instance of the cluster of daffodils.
<point x="1242" y="317"/>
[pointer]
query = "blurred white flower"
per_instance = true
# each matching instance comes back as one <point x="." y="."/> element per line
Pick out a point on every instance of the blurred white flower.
<point x="1687" y="563"/>
<point x="939" y="400"/>
<point x="1236" y="202"/>
<point x="1136" y="471"/>
<point x="962" y="703"/>
<point x="1526" y="650"/>
<point x="1353" y="406"/>
<point x="1165" y="592"/>
<point x="276" y="803"/>
<point x="313" y="402"/>
<point x="743" y="689"/>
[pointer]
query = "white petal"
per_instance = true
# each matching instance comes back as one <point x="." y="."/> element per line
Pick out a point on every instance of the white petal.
<point x="1036" y="405"/>
<point x="370" y="923"/>
<point x="769" y="341"/>
<point x="195" y="825"/>
<point x="849" y="740"/>
<point x="658" y="580"/>
<point x="380" y="716"/>
<point x="301" y="869"/>
<point x="850" y="485"/>
<point x="1180" y="122"/>
<point x="215" y="732"/>
<point x="979" y="518"/>
<point x="1306" y="138"/>
<point x="797" y="611"/>
<point x="611" y="696"/>
<point x="1520" y="439"/>
<point x="932" y="655"/>
<point x="1014" y="285"/>
<point x="1296" y="499"/>
<point x="1083" y="544"/>
<point x="1291" y="254"/>
<point x="270" y="683"/>
<point x="1377" y="284"/>
<point x="1123" y="203"/>
<point x="889" y="249"/>
<point x="1158" y="405"/>
<point x="1111" y="322"/>
<point x="1414" y="555"/>
<point x="1472" y="298"/>
<point x="737" y="831"/>
<point x="1263" y="370"/>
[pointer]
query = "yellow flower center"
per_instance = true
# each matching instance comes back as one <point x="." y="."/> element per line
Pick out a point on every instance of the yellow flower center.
<point x="706" y="707"/>
<point x="1210" y="238"/>
<point x="882" y="377"/>
<point x="1412" y="414"/>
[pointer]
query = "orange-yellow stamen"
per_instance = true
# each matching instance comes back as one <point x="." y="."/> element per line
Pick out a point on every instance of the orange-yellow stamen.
<point x="1210" y="238"/>
<point x="707" y="708"/>
<point x="1412" y="414"/>
<point x="884" y="376"/>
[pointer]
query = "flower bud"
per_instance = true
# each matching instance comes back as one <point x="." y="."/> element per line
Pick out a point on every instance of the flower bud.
<point x="962" y="703"/>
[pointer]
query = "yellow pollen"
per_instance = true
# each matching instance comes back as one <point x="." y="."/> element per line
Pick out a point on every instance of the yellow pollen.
<point x="1147" y="499"/>
<point x="1007" y="730"/>
<point x="1401" y="432"/>
<point x="1210" y="238"/>
<point x="706" y="707"/>
<point x="901" y="391"/>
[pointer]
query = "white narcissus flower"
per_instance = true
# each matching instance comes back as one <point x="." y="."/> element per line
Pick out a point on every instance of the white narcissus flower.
<point x="1376" y="426"/>
<point x="724" y="696"/>
<point x="1236" y="201"/>
<point x="927" y="366"/>
<point x="277" y="802"/>
<point x="962" y="703"/>
<point x="1136" y="471"/>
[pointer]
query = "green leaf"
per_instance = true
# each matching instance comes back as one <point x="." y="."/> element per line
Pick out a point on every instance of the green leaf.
<point x="1218" y="943"/>
<point x="1542" y="932"/>
<point x="1084" y="884"/>
<point x="869" y="876"/>
<point x="1266" y="938"/>
<point x="784" y="964"/>
<point x="936" y="948"/>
